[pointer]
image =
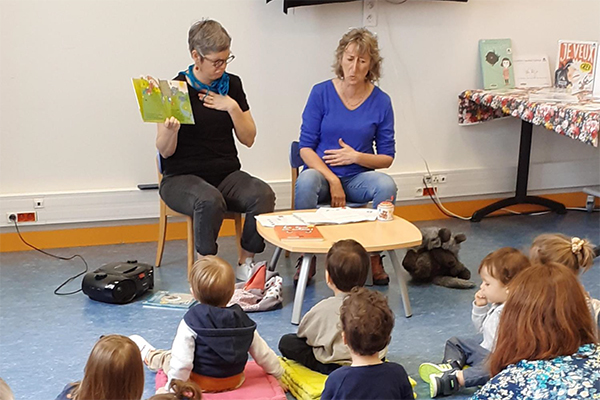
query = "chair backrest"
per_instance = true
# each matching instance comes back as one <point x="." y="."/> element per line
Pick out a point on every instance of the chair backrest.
<point x="295" y="164"/>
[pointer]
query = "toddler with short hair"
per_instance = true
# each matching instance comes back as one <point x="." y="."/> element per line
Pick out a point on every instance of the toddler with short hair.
<point x="367" y="323"/>
<point x="497" y="270"/>
<point x="213" y="341"/>
<point x="318" y="344"/>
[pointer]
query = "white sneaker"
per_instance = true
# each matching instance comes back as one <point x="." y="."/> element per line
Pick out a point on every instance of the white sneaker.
<point x="143" y="345"/>
<point x="242" y="271"/>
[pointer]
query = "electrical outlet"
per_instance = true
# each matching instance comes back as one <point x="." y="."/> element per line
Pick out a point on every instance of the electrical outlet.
<point x="418" y="192"/>
<point x="38" y="203"/>
<point x="431" y="180"/>
<point x="27" y="216"/>
<point x="369" y="12"/>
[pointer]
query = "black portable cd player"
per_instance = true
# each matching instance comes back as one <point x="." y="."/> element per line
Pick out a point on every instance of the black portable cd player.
<point x="118" y="282"/>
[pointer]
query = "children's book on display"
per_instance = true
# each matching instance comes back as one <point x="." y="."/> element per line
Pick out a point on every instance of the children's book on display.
<point x="160" y="99"/>
<point x="532" y="71"/>
<point x="496" y="63"/>
<point x="164" y="299"/>
<point x="575" y="65"/>
<point x="298" y="232"/>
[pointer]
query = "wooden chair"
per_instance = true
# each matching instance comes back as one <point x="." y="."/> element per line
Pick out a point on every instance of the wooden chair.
<point x="166" y="212"/>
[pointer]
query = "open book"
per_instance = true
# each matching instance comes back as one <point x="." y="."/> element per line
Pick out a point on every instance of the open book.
<point x="164" y="299"/>
<point x="159" y="100"/>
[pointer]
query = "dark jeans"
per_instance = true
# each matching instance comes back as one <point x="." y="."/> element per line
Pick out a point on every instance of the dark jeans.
<point x="206" y="204"/>
<point x="469" y="352"/>
<point x="295" y="348"/>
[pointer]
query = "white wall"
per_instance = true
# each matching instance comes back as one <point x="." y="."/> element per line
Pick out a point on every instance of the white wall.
<point x="69" y="122"/>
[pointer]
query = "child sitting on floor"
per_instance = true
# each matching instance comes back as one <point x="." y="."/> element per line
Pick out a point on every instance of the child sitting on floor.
<point x="180" y="390"/>
<point x="575" y="253"/>
<point x="497" y="269"/>
<point x="213" y="341"/>
<point x="318" y="344"/>
<point x="367" y="323"/>
<point x="114" y="370"/>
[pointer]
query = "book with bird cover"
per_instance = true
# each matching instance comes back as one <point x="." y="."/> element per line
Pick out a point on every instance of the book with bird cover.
<point x="575" y="65"/>
<point x="496" y="63"/>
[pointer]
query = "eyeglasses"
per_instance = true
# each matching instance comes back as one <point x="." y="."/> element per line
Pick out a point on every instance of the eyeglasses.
<point x="219" y="63"/>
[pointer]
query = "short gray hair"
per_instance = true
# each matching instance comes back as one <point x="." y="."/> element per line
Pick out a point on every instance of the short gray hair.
<point x="208" y="36"/>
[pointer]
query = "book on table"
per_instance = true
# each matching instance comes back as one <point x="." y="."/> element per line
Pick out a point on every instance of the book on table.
<point x="298" y="232"/>
<point x="532" y="71"/>
<point x="160" y="99"/>
<point x="164" y="299"/>
<point x="575" y="65"/>
<point x="496" y="63"/>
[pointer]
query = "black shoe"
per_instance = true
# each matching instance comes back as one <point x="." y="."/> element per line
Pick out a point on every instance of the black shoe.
<point x="443" y="384"/>
<point x="311" y="272"/>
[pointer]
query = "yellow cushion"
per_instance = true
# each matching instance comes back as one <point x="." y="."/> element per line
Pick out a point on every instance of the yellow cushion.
<point x="304" y="383"/>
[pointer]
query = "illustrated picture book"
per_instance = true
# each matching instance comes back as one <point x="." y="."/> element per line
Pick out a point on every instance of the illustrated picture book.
<point x="575" y="65"/>
<point x="298" y="232"/>
<point x="164" y="299"/>
<point x="496" y="63"/>
<point x="160" y="99"/>
<point x="532" y="71"/>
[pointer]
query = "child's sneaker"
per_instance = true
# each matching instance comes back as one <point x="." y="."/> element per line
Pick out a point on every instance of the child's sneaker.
<point x="427" y="369"/>
<point x="143" y="345"/>
<point x="443" y="384"/>
<point x="242" y="271"/>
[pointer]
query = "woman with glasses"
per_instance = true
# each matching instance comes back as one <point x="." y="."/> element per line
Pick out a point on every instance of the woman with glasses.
<point x="344" y="119"/>
<point x="201" y="169"/>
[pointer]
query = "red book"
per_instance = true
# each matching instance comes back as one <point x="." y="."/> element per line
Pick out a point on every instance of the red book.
<point x="298" y="232"/>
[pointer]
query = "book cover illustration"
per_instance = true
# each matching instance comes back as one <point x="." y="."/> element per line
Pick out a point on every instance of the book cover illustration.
<point x="298" y="232"/>
<point x="575" y="65"/>
<point x="532" y="71"/>
<point x="164" y="299"/>
<point x="160" y="99"/>
<point x="496" y="63"/>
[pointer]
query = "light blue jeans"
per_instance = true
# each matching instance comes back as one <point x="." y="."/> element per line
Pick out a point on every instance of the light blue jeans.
<point x="312" y="189"/>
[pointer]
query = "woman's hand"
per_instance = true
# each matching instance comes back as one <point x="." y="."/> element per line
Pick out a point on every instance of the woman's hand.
<point x="338" y="157"/>
<point x="338" y="196"/>
<point x="172" y="125"/>
<point x="216" y="101"/>
<point x="480" y="299"/>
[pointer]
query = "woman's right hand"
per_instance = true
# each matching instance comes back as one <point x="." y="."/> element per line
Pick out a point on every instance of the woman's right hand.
<point x="172" y="125"/>
<point x="338" y="196"/>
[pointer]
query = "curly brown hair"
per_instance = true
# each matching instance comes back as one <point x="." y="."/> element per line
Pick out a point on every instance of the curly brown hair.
<point x="504" y="264"/>
<point x="367" y="321"/>
<point x="366" y="43"/>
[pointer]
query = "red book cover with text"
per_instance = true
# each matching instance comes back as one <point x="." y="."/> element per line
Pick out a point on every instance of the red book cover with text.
<point x="298" y="232"/>
<point x="575" y="65"/>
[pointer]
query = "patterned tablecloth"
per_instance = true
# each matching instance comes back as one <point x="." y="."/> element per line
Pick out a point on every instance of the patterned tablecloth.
<point x="580" y="121"/>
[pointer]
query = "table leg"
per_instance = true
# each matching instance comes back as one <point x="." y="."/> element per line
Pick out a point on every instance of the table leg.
<point x="301" y="288"/>
<point x="274" y="259"/>
<point x="522" y="178"/>
<point x="402" y="283"/>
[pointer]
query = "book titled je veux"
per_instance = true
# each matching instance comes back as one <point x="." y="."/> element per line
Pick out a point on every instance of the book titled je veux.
<point x="575" y="65"/>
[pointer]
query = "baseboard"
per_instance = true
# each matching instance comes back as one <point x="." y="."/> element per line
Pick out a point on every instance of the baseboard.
<point x="139" y="233"/>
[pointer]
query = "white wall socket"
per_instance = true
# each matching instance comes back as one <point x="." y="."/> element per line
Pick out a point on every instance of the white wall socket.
<point x="38" y="203"/>
<point x="369" y="12"/>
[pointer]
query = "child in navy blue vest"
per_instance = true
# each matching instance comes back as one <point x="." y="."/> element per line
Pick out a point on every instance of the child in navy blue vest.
<point x="367" y="323"/>
<point x="213" y="341"/>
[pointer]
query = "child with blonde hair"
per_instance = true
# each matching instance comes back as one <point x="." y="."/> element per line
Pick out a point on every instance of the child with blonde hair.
<point x="497" y="270"/>
<point x="572" y="252"/>
<point x="213" y="340"/>
<point x="367" y="322"/>
<point x="114" y="370"/>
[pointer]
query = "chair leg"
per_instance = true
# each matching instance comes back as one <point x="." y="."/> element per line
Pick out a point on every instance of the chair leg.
<point x="162" y="233"/>
<point x="191" y="251"/>
<point x="238" y="233"/>
<point x="275" y="258"/>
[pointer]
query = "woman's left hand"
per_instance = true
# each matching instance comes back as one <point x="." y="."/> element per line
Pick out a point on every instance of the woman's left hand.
<point x="216" y="101"/>
<point x="344" y="156"/>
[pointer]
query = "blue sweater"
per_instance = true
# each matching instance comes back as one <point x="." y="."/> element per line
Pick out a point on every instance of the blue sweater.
<point x="383" y="381"/>
<point x="326" y="119"/>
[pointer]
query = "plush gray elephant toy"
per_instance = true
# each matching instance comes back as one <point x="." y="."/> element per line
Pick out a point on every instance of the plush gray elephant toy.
<point x="436" y="260"/>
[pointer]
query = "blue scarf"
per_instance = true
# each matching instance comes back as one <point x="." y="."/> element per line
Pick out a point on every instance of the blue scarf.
<point x="220" y="85"/>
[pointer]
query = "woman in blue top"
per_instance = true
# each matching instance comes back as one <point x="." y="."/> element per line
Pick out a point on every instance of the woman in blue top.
<point x="342" y="120"/>
<point x="547" y="346"/>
